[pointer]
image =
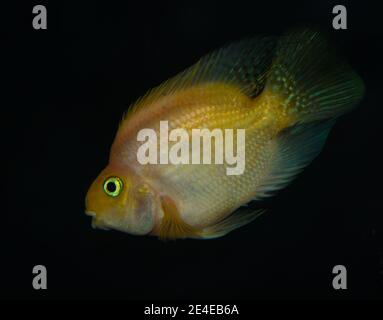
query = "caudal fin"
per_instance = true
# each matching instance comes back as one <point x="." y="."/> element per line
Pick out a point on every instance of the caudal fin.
<point x="312" y="81"/>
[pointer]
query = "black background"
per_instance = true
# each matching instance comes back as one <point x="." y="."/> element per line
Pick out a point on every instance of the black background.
<point x="63" y="94"/>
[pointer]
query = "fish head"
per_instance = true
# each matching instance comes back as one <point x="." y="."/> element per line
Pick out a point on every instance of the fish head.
<point x="121" y="200"/>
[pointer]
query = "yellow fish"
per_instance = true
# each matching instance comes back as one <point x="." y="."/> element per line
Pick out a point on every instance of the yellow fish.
<point x="284" y="92"/>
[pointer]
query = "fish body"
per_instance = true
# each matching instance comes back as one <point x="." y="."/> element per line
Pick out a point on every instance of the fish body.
<point x="285" y="93"/>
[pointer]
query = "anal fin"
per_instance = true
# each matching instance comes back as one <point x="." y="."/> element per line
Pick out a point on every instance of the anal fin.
<point x="236" y="220"/>
<point x="294" y="148"/>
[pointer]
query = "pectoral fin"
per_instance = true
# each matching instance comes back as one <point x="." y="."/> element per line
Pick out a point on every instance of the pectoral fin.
<point x="172" y="226"/>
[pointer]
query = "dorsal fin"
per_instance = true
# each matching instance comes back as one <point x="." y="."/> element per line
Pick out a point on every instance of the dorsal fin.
<point x="172" y="226"/>
<point x="244" y="64"/>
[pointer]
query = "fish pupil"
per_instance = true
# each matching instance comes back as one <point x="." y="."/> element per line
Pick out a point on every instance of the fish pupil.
<point x="111" y="186"/>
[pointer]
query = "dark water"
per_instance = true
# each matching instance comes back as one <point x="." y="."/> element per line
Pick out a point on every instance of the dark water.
<point x="64" y="93"/>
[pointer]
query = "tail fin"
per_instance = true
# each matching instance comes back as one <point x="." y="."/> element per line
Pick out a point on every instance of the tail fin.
<point x="312" y="82"/>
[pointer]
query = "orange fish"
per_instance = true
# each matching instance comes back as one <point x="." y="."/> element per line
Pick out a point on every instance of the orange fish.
<point x="285" y="93"/>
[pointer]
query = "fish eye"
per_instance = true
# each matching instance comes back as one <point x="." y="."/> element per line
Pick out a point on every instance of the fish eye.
<point x="113" y="186"/>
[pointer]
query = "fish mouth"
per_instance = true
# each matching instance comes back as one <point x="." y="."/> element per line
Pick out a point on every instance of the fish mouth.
<point x="90" y="213"/>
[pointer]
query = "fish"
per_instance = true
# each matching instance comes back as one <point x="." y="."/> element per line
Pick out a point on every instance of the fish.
<point x="285" y="91"/>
